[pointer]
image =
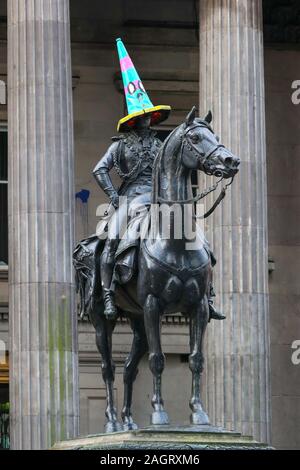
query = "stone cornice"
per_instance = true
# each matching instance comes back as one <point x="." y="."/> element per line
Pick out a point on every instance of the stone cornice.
<point x="3" y="273"/>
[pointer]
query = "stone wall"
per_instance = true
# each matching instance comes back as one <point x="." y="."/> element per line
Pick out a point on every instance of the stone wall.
<point x="283" y="160"/>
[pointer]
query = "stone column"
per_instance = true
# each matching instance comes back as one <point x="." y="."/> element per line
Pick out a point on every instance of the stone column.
<point x="43" y="326"/>
<point x="232" y="86"/>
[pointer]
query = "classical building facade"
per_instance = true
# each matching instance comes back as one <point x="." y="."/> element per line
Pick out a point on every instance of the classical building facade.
<point x="60" y="101"/>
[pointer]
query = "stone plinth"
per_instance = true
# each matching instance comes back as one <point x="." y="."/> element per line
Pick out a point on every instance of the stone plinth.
<point x="164" y="438"/>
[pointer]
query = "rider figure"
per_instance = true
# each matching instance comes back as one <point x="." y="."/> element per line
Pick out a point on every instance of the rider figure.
<point x="132" y="155"/>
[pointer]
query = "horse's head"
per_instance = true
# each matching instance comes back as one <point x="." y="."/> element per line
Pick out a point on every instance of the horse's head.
<point x="202" y="149"/>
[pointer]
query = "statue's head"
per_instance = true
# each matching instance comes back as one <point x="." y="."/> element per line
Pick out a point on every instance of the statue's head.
<point x="203" y="150"/>
<point x="142" y="122"/>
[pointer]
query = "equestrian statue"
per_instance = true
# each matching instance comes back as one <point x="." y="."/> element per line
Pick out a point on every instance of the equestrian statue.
<point x="120" y="273"/>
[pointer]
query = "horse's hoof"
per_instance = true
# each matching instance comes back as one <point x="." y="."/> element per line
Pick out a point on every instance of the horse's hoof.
<point x="128" y="423"/>
<point x="131" y="426"/>
<point x="160" y="418"/>
<point x="113" y="426"/>
<point x="199" y="418"/>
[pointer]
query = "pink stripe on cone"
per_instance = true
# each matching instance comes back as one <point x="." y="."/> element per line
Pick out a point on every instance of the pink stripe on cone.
<point x="126" y="63"/>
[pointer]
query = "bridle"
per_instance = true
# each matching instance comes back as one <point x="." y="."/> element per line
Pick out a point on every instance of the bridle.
<point x="186" y="142"/>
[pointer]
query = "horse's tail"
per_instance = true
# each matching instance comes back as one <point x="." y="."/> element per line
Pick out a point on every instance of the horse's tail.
<point x="86" y="261"/>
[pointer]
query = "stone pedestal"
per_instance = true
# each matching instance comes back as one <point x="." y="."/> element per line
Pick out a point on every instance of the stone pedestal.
<point x="232" y="86"/>
<point x="165" y="438"/>
<point x="43" y="323"/>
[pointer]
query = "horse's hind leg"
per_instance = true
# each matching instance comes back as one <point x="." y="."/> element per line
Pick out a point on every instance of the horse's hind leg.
<point x="152" y="316"/>
<point x="138" y="350"/>
<point x="104" y="330"/>
<point x="198" y="323"/>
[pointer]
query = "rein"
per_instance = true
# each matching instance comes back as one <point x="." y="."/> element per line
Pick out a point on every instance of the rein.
<point x="217" y="202"/>
<point x="197" y="198"/>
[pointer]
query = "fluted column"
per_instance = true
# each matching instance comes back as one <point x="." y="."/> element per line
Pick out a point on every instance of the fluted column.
<point x="43" y="331"/>
<point x="232" y="86"/>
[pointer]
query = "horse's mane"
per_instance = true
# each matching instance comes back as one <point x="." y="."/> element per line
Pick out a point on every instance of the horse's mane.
<point x="160" y="157"/>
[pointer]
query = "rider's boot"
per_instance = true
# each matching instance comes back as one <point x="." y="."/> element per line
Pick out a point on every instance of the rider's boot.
<point x="110" y="310"/>
<point x="213" y="312"/>
<point x="107" y="269"/>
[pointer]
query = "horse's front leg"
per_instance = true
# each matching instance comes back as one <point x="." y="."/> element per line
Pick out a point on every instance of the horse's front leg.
<point x="104" y="332"/>
<point x="152" y="316"/>
<point x="138" y="350"/>
<point x="198" y="323"/>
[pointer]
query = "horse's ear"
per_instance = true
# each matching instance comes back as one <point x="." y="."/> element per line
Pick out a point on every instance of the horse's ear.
<point x="190" y="117"/>
<point x="208" y="118"/>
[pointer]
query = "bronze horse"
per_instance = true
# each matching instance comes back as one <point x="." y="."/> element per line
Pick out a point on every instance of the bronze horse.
<point x="171" y="275"/>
